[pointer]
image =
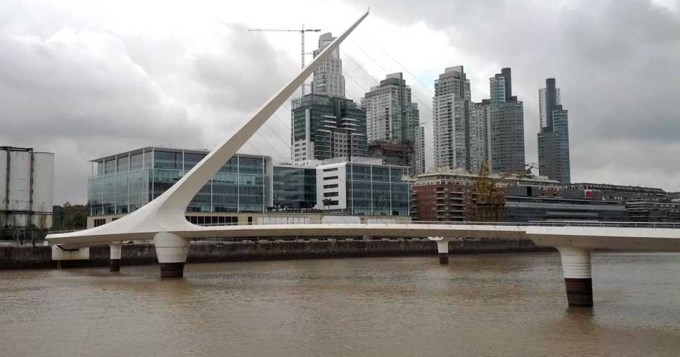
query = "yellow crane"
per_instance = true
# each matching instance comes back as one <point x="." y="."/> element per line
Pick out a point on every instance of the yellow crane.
<point x="490" y="197"/>
<point x="302" y="37"/>
<point x="489" y="205"/>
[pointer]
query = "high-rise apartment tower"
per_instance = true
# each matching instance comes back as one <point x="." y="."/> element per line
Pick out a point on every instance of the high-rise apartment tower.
<point x="450" y="114"/>
<point x="328" y="79"/>
<point x="392" y="120"/>
<point x="553" y="140"/>
<point x="507" y="126"/>
<point x="326" y="127"/>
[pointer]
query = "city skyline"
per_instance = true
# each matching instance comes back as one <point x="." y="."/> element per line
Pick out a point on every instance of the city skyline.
<point x="189" y="94"/>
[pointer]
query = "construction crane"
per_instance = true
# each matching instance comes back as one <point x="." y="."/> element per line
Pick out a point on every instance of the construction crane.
<point x="489" y="204"/>
<point x="302" y="37"/>
<point x="529" y="169"/>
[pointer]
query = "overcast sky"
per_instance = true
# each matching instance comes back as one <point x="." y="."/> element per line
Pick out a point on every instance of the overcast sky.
<point x="85" y="79"/>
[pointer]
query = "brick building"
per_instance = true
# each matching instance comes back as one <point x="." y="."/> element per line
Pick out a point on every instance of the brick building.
<point x="449" y="195"/>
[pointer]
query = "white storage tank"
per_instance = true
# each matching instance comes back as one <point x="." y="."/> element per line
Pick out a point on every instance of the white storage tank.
<point x="26" y="180"/>
<point x="3" y="182"/>
<point x="43" y="183"/>
<point x="19" y="180"/>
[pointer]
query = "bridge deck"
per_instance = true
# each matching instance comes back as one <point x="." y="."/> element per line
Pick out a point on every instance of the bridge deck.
<point x="644" y="238"/>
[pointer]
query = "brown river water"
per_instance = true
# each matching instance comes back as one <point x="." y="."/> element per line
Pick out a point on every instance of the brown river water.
<point x="478" y="305"/>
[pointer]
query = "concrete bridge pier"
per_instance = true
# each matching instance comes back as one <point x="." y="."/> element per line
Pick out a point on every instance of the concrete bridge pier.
<point x="443" y="250"/>
<point x="172" y="253"/>
<point x="61" y="255"/>
<point x="115" y="249"/>
<point x="577" y="271"/>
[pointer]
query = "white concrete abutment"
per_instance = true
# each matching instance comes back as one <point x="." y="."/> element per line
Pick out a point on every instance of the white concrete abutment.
<point x="60" y="254"/>
<point x="172" y="251"/>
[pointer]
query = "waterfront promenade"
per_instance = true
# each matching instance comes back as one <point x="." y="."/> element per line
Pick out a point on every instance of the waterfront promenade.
<point x="15" y="256"/>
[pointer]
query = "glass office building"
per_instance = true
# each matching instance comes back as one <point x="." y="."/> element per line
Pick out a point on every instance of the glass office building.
<point x="294" y="187"/>
<point x="364" y="189"/>
<point x="554" y="209"/>
<point x="378" y="190"/>
<point x="124" y="182"/>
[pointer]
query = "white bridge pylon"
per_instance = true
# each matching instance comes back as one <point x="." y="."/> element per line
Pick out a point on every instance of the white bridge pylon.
<point x="166" y="212"/>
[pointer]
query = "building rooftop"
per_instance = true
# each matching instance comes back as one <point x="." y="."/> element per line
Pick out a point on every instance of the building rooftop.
<point x="15" y="148"/>
<point x="466" y="175"/>
<point x="354" y="160"/>
<point x="161" y="148"/>
<point x="610" y="187"/>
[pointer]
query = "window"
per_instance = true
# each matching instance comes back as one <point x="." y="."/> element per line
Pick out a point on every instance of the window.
<point x="110" y="166"/>
<point x="330" y="178"/>
<point x="123" y="164"/>
<point x="331" y="169"/>
<point x="333" y="185"/>
<point x="330" y="194"/>
<point x="99" y="222"/>
<point x="168" y="160"/>
<point x="213" y="220"/>
<point x="191" y="159"/>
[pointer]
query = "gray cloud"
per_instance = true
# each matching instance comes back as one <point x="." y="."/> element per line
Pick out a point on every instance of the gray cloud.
<point x="89" y="92"/>
<point x="231" y="78"/>
<point x="73" y="85"/>
<point x="81" y="85"/>
<point x="79" y="95"/>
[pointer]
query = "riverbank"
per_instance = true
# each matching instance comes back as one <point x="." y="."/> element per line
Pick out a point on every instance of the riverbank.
<point x="28" y="257"/>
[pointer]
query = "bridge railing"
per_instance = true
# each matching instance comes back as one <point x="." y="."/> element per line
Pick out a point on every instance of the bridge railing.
<point x="675" y="225"/>
<point x="66" y="231"/>
<point x="513" y="224"/>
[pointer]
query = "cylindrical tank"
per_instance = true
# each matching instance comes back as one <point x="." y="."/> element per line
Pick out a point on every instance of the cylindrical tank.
<point x="19" y="181"/>
<point x="3" y="181"/>
<point x="26" y="180"/>
<point x="43" y="181"/>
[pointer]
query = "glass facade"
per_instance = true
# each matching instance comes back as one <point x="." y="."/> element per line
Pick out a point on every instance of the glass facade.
<point x="377" y="190"/>
<point x="553" y="139"/>
<point x="541" y="209"/>
<point x="506" y="126"/>
<point x="294" y="187"/>
<point x="123" y="183"/>
<point x="336" y="127"/>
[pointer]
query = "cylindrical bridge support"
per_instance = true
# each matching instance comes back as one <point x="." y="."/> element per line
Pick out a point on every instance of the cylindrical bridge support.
<point x="172" y="253"/>
<point x="115" y="251"/>
<point x="443" y="250"/>
<point x="577" y="275"/>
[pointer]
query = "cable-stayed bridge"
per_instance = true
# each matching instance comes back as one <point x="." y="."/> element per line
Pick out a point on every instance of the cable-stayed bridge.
<point x="163" y="219"/>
